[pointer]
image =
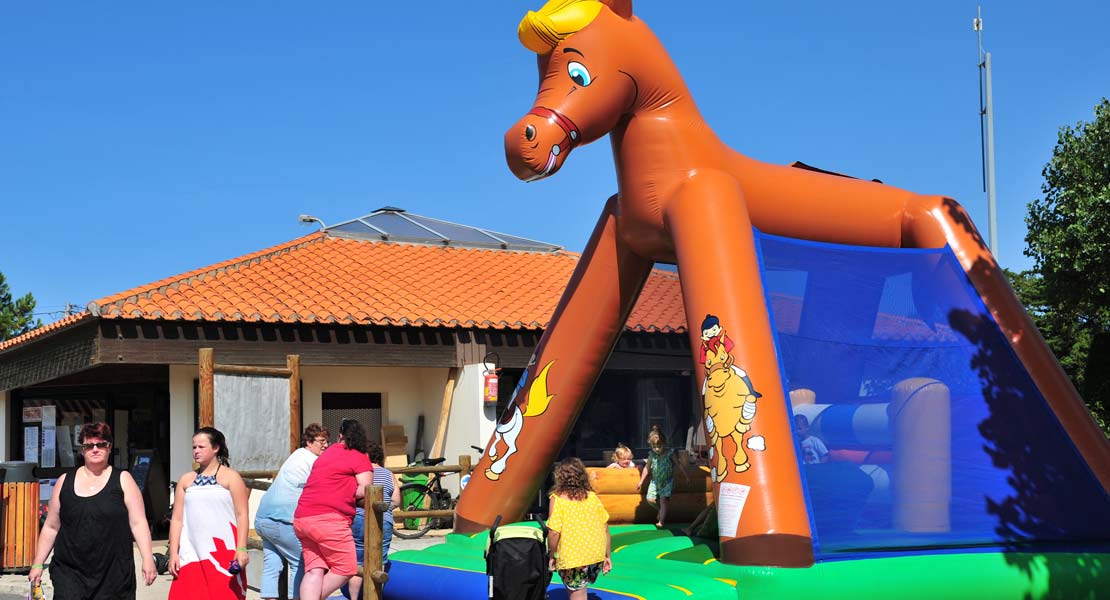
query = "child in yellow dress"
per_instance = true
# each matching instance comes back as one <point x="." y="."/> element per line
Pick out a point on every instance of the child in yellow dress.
<point x="578" y="541"/>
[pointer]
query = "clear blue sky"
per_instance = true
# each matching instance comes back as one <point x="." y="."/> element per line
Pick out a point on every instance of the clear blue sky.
<point x="144" y="140"/>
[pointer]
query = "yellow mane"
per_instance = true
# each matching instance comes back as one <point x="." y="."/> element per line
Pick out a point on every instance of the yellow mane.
<point x="542" y="30"/>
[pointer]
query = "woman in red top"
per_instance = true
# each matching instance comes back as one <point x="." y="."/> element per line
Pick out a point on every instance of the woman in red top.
<point x="323" y="518"/>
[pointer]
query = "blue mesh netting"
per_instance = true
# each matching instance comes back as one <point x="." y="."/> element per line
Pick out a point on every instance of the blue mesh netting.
<point x="852" y="323"/>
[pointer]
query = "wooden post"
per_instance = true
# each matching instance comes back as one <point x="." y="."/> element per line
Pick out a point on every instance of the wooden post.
<point x="373" y="577"/>
<point x="207" y="388"/>
<point x="444" y="413"/>
<point x="464" y="465"/>
<point x="293" y="363"/>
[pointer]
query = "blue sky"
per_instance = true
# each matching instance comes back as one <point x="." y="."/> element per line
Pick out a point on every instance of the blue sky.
<point x="141" y="141"/>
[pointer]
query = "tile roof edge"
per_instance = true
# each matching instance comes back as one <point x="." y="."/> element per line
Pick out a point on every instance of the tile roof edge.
<point x="46" y="330"/>
<point x="110" y="305"/>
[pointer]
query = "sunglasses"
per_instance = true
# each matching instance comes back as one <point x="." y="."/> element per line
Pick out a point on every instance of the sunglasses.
<point x="101" y="445"/>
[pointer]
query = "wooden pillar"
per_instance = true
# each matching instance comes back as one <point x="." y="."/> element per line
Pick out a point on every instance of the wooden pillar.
<point x="444" y="413"/>
<point x="293" y="363"/>
<point x="373" y="577"/>
<point x="207" y="387"/>
<point x="464" y="465"/>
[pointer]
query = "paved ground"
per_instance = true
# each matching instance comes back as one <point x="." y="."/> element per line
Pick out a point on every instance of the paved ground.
<point x="15" y="587"/>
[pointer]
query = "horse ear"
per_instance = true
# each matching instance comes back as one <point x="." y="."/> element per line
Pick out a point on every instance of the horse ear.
<point x="622" y="8"/>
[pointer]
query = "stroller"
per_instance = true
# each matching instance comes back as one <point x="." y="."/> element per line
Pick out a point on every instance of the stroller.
<point x="516" y="561"/>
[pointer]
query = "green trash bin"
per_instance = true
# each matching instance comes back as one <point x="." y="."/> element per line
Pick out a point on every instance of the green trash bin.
<point x="412" y="495"/>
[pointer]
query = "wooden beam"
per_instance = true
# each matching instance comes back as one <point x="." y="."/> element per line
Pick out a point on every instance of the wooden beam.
<point x="248" y="370"/>
<point x="207" y="387"/>
<point x="444" y="413"/>
<point x="293" y="365"/>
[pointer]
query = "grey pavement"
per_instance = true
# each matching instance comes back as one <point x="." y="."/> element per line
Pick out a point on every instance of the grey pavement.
<point x="15" y="587"/>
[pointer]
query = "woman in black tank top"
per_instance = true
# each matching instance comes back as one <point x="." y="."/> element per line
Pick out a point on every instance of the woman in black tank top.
<point x="90" y="528"/>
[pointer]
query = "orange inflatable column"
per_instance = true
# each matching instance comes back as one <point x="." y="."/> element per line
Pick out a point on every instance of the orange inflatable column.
<point x="567" y="361"/>
<point x="760" y="504"/>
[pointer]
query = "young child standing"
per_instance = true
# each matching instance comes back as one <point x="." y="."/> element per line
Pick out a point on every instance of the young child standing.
<point x="622" y="458"/>
<point x="578" y="540"/>
<point x="661" y="463"/>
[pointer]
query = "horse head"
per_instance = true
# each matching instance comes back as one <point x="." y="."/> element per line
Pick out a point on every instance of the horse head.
<point x="583" y="49"/>
<point x="718" y="369"/>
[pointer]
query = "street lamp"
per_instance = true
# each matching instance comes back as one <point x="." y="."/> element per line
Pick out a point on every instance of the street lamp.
<point x="308" y="219"/>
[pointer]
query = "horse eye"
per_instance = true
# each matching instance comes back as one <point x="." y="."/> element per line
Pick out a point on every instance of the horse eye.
<point x="579" y="73"/>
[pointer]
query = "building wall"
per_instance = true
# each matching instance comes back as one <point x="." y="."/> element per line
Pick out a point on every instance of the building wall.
<point x="181" y="419"/>
<point x="471" y="422"/>
<point x="5" y="399"/>
<point x="406" y="394"/>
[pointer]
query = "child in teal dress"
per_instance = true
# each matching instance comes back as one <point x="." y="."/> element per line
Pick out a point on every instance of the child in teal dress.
<point x="661" y="464"/>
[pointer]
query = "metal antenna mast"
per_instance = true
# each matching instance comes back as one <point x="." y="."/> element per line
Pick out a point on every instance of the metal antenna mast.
<point x="986" y="134"/>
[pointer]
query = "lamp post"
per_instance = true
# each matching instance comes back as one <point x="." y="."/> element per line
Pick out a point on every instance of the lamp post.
<point x="986" y="132"/>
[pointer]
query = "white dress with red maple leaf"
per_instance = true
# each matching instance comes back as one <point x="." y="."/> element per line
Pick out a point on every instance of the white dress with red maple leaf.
<point x="207" y="547"/>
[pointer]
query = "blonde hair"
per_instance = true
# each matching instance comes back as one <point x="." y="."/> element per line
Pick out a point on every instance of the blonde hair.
<point x="622" y="452"/>
<point x="540" y="31"/>
<point x="656" y="436"/>
<point x="571" y="479"/>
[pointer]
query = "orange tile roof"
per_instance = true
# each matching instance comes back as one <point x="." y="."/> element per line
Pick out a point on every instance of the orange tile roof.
<point x="324" y="279"/>
<point x="56" y="326"/>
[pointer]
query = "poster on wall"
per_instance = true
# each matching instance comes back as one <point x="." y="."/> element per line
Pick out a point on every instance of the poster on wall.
<point x="31" y="444"/>
<point x="49" y="416"/>
<point x="49" y="447"/>
<point x="32" y="414"/>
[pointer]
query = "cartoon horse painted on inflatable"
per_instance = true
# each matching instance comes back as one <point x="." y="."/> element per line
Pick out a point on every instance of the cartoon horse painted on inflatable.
<point x="730" y="405"/>
<point x="686" y="198"/>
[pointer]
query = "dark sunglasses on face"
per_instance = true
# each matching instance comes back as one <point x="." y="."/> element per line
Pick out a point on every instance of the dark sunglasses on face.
<point x="101" y="445"/>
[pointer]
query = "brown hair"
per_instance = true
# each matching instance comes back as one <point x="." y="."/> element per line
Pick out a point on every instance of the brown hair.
<point x="99" y="429"/>
<point x="375" y="452"/>
<point x="656" y="436"/>
<point x="571" y="479"/>
<point x="313" y="431"/>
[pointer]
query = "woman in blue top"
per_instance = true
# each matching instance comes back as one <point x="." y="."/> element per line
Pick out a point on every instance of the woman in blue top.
<point x="391" y="491"/>
<point x="274" y="520"/>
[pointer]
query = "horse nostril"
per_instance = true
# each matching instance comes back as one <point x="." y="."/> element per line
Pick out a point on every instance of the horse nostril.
<point x="530" y="132"/>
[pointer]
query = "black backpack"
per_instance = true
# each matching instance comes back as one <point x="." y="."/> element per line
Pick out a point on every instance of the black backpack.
<point x="516" y="562"/>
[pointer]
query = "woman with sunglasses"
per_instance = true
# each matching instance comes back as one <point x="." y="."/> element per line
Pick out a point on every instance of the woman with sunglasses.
<point x="96" y="511"/>
<point x="274" y="519"/>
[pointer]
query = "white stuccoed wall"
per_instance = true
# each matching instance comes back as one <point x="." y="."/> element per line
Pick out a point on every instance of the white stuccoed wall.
<point x="407" y="392"/>
<point x="470" y="422"/>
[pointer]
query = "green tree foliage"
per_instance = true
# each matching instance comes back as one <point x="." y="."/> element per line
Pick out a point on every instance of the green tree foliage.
<point x="1068" y="290"/>
<point x="15" y="315"/>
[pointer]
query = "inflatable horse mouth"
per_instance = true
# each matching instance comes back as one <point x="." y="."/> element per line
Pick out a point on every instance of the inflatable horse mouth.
<point x="537" y="145"/>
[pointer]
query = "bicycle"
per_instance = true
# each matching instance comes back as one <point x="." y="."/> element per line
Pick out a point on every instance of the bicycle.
<point x="425" y="496"/>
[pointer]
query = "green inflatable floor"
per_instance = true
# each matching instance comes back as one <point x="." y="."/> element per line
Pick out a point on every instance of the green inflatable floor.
<point x="660" y="564"/>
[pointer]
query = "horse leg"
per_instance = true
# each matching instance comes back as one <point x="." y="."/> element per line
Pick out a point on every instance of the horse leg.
<point x="574" y="347"/>
<point x="719" y="463"/>
<point x="504" y="433"/>
<point x="497" y="437"/>
<point x="717" y="258"/>
<point x="509" y="435"/>
<point x="740" y="458"/>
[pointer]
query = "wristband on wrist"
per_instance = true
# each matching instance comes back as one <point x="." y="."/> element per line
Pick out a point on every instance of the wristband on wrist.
<point x="240" y="549"/>
<point x="37" y="567"/>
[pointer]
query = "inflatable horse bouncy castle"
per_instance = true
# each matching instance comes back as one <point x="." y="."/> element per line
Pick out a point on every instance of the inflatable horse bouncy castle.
<point x="793" y="279"/>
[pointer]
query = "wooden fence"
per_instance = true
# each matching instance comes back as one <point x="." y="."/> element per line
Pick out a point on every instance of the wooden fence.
<point x="375" y="505"/>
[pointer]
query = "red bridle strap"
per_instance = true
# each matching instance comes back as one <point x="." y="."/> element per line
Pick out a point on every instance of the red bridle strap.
<point x="569" y="128"/>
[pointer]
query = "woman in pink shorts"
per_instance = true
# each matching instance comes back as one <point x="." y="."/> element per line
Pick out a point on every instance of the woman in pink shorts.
<point x="323" y="517"/>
